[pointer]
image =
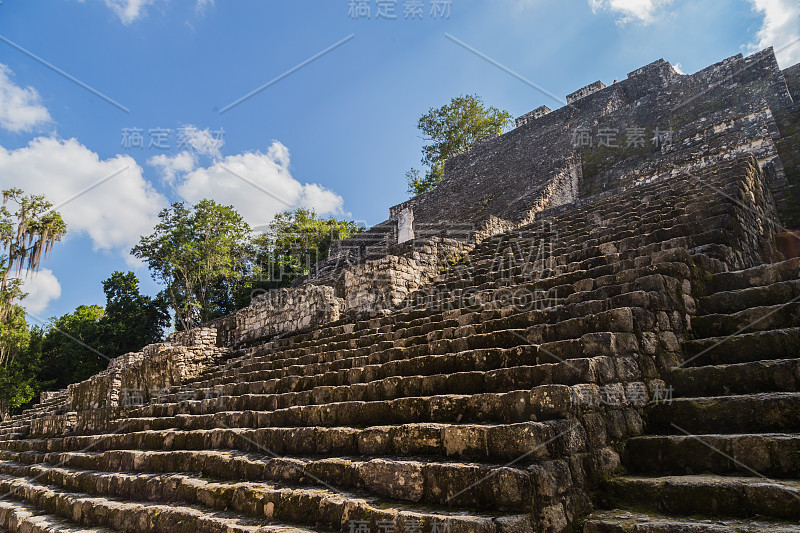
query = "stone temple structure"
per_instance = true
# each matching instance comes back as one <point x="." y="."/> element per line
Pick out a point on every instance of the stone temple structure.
<point x="591" y="325"/>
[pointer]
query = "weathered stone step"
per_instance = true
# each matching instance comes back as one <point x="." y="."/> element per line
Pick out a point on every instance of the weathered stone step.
<point x="743" y="348"/>
<point x="576" y="289"/>
<point x="624" y="521"/>
<point x="130" y="516"/>
<point x="439" y="341"/>
<point x="575" y="246"/>
<point x="506" y="442"/>
<point x="741" y="299"/>
<point x="497" y="319"/>
<point x="16" y="517"/>
<point x="615" y="216"/>
<point x="547" y="402"/>
<point x="547" y="277"/>
<point x="620" y="320"/>
<point x="784" y="315"/>
<point x="264" y="381"/>
<point x="598" y="370"/>
<point x="626" y="249"/>
<point x="496" y="330"/>
<point x="771" y="455"/>
<point x="338" y="368"/>
<point x="778" y="375"/>
<point x="496" y="369"/>
<point x="453" y="484"/>
<point x="305" y="347"/>
<point x="767" y="274"/>
<point x="751" y="413"/>
<point x="313" y="507"/>
<point x="709" y="495"/>
<point x="578" y="231"/>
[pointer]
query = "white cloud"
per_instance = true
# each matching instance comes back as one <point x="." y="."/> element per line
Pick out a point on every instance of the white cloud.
<point x="112" y="211"/>
<point x="678" y="68"/>
<point x="20" y="109"/>
<point x="196" y="143"/>
<point x="643" y="11"/>
<point x="129" y="11"/>
<point x="780" y="29"/>
<point x="203" y="142"/>
<point x="42" y="288"/>
<point x="201" y="5"/>
<point x="171" y="166"/>
<point x="257" y="185"/>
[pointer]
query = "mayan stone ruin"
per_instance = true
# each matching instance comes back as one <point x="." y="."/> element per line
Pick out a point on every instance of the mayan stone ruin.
<point x="591" y="325"/>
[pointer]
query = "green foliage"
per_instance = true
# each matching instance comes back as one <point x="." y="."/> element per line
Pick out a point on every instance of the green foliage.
<point x="418" y="184"/>
<point x="18" y="383"/>
<point x="292" y="243"/>
<point x="70" y="348"/>
<point x="200" y="255"/>
<point x="28" y="230"/>
<point x="131" y="320"/>
<point x="27" y="233"/>
<point x="451" y="130"/>
<point x="80" y="344"/>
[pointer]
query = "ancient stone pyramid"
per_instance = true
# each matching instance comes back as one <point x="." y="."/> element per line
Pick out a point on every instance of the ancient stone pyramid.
<point x="592" y="324"/>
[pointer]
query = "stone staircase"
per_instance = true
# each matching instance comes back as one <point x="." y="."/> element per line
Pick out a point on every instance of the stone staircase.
<point x="497" y="400"/>
<point x="728" y="443"/>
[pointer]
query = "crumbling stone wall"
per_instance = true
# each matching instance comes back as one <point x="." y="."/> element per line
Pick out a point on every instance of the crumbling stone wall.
<point x="286" y="310"/>
<point x="147" y="372"/>
<point x="386" y="283"/>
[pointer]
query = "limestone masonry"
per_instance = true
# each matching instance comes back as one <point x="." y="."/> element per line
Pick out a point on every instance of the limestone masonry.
<point x="591" y="325"/>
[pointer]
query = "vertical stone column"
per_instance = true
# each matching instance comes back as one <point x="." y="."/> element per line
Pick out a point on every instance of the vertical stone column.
<point x="405" y="225"/>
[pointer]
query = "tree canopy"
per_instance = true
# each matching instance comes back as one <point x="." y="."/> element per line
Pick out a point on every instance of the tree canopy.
<point x="131" y="320"/>
<point x="451" y="130"/>
<point x="296" y="240"/>
<point x="70" y="348"/>
<point x="80" y="344"/>
<point x="200" y="255"/>
<point x="18" y="373"/>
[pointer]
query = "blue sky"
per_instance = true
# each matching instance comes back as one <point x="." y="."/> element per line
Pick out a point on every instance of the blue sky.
<point x="336" y="134"/>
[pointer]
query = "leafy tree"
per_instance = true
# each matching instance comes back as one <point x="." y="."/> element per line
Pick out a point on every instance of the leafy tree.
<point x="291" y="245"/>
<point x="71" y="348"/>
<point x="26" y="235"/>
<point x="28" y="230"/>
<point x="80" y="344"/>
<point x="451" y="130"/>
<point x="18" y="374"/>
<point x="131" y="320"/>
<point x="200" y="255"/>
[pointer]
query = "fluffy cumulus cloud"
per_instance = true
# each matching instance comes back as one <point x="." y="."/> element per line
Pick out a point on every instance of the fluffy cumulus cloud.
<point x="259" y="185"/>
<point x="643" y="11"/>
<point x="20" y="108"/>
<point x="129" y="11"/>
<point x="42" y="288"/>
<point x="780" y="29"/>
<point x="197" y="144"/>
<point x="106" y="199"/>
